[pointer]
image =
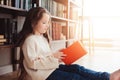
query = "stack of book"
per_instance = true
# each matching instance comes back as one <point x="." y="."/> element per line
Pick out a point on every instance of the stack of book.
<point x="2" y="39"/>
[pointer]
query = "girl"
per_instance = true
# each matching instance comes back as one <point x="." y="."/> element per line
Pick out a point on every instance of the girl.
<point x="37" y="60"/>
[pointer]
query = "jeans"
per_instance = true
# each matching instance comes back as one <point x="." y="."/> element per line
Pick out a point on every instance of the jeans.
<point x="77" y="72"/>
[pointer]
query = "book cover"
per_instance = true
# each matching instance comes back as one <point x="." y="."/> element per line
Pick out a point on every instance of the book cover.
<point x="74" y="52"/>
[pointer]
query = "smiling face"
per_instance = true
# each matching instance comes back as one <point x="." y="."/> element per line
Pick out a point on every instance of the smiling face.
<point x="43" y="24"/>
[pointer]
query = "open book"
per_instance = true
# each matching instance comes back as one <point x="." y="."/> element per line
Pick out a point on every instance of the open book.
<point x="73" y="52"/>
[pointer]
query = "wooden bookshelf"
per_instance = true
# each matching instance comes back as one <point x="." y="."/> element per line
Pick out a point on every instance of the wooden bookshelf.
<point x="12" y="14"/>
<point x="62" y="12"/>
<point x="12" y="10"/>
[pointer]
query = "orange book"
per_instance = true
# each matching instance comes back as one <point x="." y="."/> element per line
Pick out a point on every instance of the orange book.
<point x="73" y="52"/>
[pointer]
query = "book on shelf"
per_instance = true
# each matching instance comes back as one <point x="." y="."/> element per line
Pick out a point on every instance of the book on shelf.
<point x="73" y="52"/>
<point x="72" y="31"/>
<point x="74" y="13"/>
<point x="6" y="2"/>
<point x="55" y="8"/>
<point x="2" y="2"/>
<point x="25" y="4"/>
<point x="58" y="31"/>
<point x="1" y="36"/>
<point x="64" y="31"/>
<point x="53" y="30"/>
<point x="9" y="2"/>
<point x="3" y="40"/>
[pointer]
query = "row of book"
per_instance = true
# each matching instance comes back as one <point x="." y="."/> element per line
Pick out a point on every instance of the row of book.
<point x="22" y="4"/>
<point x="2" y="39"/>
<point x="8" y="30"/>
<point x="72" y="30"/>
<point x="60" y="30"/>
<point x="55" y="8"/>
<point x="74" y="13"/>
<point x="6" y="2"/>
<point x="60" y="10"/>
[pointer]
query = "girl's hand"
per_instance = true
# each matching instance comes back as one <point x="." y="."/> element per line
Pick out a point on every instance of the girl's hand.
<point x="59" y="55"/>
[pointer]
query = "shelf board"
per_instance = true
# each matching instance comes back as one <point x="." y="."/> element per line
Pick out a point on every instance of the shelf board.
<point x="73" y="21"/>
<point x="55" y="18"/>
<point x="7" y="46"/>
<point x="58" y="18"/>
<point x="12" y="10"/>
<point x="71" y="40"/>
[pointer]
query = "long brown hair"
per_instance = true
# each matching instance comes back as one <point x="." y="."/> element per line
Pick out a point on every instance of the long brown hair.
<point x="32" y="18"/>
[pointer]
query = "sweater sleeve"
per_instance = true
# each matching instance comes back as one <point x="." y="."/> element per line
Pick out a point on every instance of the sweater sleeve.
<point x="34" y="61"/>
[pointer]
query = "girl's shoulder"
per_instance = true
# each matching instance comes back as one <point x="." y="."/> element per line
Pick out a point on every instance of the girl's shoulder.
<point x="33" y="38"/>
<point x="30" y="37"/>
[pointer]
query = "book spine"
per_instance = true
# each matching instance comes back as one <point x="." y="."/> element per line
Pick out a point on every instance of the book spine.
<point x="3" y="40"/>
<point x="2" y="2"/>
<point x="1" y="36"/>
<point x="53" y="30"/>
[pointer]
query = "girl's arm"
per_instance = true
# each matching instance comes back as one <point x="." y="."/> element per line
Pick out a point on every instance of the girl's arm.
<point x="34" y="61"/>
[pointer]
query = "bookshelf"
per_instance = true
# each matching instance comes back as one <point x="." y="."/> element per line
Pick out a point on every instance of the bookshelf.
<point x="65" y="21"/>
<point x="64" y="14"/>
<point x="12" y="16"/>
<point x="10" y="11"/>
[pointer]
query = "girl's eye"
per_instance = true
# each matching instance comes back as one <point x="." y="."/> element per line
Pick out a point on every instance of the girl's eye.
<point x="45" y="22"/>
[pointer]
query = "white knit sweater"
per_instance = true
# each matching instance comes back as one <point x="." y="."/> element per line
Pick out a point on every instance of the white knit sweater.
<point x="38" y="62"/>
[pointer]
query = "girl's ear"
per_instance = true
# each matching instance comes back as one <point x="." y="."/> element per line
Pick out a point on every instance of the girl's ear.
<point x="33" y="23"/>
